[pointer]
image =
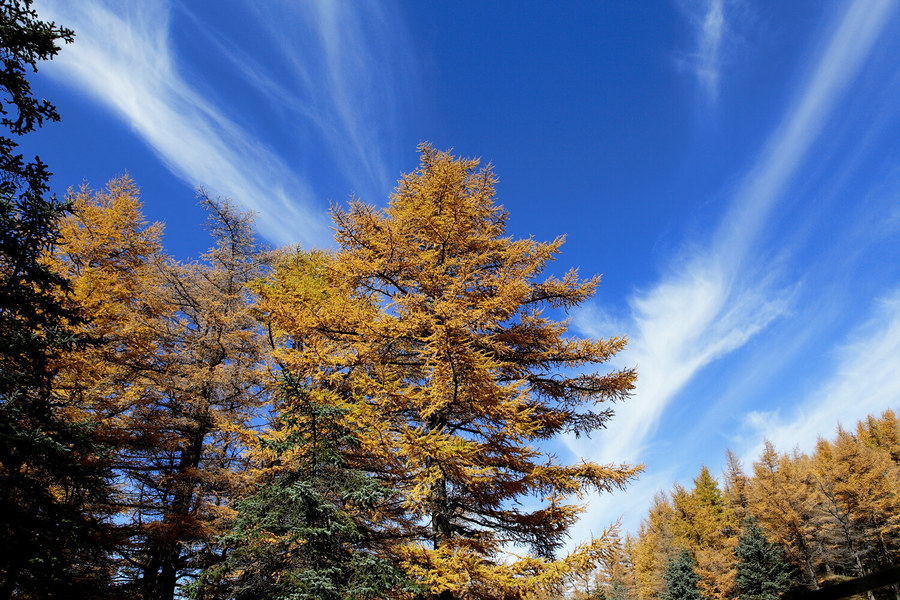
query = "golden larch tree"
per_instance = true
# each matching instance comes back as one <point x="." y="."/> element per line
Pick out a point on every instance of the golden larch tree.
<point x="112" y="257"/>
<point x="432" y="335"/>
<point x="736" y="482"/>
<point x="883" y="433"/>
<point x="781" y="497"/>
<point x="654" y="547"/>
<point x="704" y="524"/>
<point x="175" y="378"/>
<point x="613" y="578"/>
<point x="859" y="485"/>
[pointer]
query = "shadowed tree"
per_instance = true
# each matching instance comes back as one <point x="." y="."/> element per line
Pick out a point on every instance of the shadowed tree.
<point x="112" y="257"/>
<point x="859" y="484"/>
<point x="201" y="397"/>
<point x="177" y="375"/>
<point x="312" y="530"/>
<point x="51" y="546"/>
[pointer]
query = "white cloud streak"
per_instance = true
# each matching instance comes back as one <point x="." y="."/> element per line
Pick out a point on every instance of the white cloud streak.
<point x="709" y="48"/>
<point x="124" y="58"/>
<point x="704" y="62"/>
<point x="864" y="382"/>
<point x="358" y="69"/>
<point x="712" y="301"/>
<point x="841" y="60"/>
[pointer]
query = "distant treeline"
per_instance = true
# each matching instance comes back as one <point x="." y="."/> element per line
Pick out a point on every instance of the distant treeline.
<point x="794" y="521"/>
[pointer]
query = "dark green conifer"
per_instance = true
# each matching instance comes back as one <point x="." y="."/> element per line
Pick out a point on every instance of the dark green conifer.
<point x="681" y="579"/>
<point x="763" y="572"/>
<point x="308" y="533"/>
<point x="51" y="542"/>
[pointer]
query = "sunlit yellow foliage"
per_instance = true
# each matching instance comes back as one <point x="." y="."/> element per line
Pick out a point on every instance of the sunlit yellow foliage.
<point x="111" y="256"/>
<point x="835" y="514"/>
<point x="654" y="546"/>
<point x="698" y="520"/>
<point x="781" y="498"/>
<point x="435" y="331"/>
<point x="705" y="525"/>
<point x="883" y="433"/>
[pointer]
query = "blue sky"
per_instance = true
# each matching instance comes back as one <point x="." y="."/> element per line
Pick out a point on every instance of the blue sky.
<point x="731" y="167"/>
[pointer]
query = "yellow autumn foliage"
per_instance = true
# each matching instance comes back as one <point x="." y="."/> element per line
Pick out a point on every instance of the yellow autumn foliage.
<point x="435" y="332"/>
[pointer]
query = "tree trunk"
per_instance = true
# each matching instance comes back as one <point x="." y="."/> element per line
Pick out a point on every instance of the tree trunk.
<point x="161" y="573"/>
<point x="440" y="518"/>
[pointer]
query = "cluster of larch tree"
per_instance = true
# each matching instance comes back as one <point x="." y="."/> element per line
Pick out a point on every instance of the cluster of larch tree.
<point x="794" y="522"/>
<point x="171" y="378"/>
<point x="359" y="423"/>
<point x="275" y="424"/>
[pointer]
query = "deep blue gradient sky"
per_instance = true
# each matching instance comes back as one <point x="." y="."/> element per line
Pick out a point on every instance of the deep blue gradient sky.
<point x="732" y="167"/>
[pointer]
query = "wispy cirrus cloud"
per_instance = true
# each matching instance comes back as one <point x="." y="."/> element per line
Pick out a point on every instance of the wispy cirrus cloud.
<point x="698" y="313"/>
<point x="355" y="67"/>
<point x="714" y="298"/>
<point x="707" y="20"/>
<point x="125" y="58"/>
<point x="864" y="382"/>
<point x="838" y="64"/>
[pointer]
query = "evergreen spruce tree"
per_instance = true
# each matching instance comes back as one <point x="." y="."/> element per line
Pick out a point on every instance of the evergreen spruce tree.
<point x="681" y="579"/>
<point x="763" y="572"/>
<point x="51" y="541"/>
<point x="311" y="531"/>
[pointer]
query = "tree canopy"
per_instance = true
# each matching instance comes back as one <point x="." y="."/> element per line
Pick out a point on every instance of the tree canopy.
<point x="429" y="330"/>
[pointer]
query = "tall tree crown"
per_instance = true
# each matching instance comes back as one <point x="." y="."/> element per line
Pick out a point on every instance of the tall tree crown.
<point x="430" y="330"/>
